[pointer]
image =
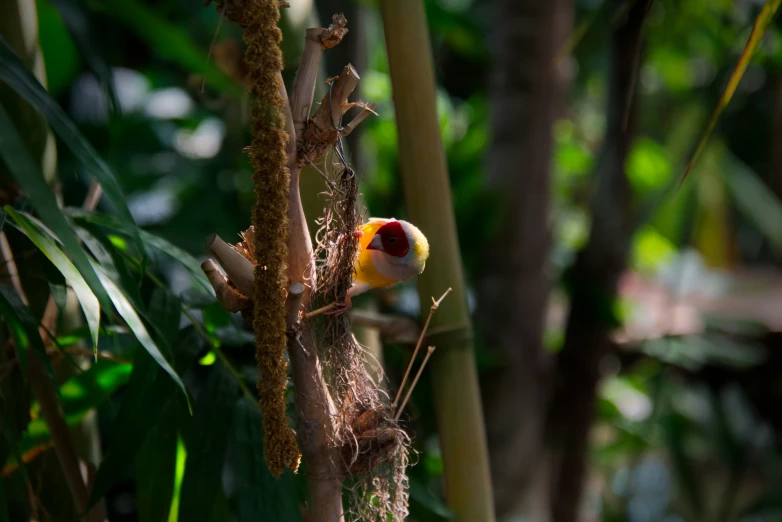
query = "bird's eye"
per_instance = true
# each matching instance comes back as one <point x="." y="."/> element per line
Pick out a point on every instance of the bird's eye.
<point x="392" y="240"/>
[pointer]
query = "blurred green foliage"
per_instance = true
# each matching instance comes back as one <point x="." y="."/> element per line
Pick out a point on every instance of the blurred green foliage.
<point x="686" y="428"/>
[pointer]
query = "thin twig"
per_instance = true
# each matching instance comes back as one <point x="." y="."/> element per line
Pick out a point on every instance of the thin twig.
<point x="415" y="381"/>
<point x="321" y="310"/>
<point x="432" y="310"/>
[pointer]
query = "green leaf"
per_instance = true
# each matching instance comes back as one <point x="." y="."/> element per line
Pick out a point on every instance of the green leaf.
<point x="166" y="309"/>
<point x="140" y="411"/>
<point x="167" y="40"/>
<point x="151" y="241"/>
<point x="31" y="180"/>
<point x="207" y="445"/>
<point x="110" y="261"/>
<point x="156" y="468"/>
<point x="20" y="79"/>
<point x="128" y="313"/>
<point x="259" y="496"/>
<point x="80" y="394"/>
<point x="92" y="387"/>
<point x="762" y="23"/>
<point x="89" y="303"/>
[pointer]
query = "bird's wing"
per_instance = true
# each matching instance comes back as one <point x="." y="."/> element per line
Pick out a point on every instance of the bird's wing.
<point x="359" y="288"/>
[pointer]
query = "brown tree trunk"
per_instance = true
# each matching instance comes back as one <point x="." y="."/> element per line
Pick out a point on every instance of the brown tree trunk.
<point x="525" y="90"/>
<point x="593" y="279"/>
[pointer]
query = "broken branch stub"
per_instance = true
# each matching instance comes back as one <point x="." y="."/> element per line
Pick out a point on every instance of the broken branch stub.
<point x="315" y="41"/>
<point x="323" y="129"/>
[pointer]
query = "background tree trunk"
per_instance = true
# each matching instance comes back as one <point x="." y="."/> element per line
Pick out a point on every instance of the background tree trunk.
<point x="525" y="90"/>
<point x="593" y="279"/>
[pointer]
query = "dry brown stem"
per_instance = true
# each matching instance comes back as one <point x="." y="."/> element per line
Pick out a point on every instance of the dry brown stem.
<point x="415" y="381"/>
<point x="315" y="42"/>
<point x="238" y="268"/>
<point x="432" y="310"/>
<point x="316" y="411"/>
<point x="322" y="131"/>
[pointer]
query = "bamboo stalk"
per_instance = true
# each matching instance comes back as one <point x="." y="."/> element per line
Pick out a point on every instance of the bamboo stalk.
<point x="428" y="197"/>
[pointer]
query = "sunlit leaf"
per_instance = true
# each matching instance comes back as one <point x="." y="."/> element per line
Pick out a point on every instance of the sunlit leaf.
<point x="156" y="468"/>
<point x="651" y="249"/>
<point x="647" y="166"/>
<point x="762" y="23"/>
<point x="151" y="241"/>
<point x="88" y="300"/>
<point x="167" y="40"/>
<point x="207" y="446"/>
<point x="140" y="411"/>
<point x="30" y="178"/>
<point x="128" y="313"/>
<point x="18" y="77"/>
<point x="259" y="496"/>
<point x="79" y="394"/>
<point x="110" y="260"/>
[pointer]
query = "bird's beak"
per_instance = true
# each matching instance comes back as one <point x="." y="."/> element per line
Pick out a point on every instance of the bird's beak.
<point x="376" y="243"/>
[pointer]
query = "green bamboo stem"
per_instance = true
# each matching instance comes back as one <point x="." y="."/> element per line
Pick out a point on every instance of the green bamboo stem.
<point x="428" y="198"/>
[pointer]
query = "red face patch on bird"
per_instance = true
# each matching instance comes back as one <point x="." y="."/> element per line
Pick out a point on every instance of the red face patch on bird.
<point x="392" y="240"/>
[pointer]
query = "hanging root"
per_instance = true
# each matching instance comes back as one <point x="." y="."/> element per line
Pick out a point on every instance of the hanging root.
<point x="374" y="448"/>
<point x="267" y="245"/>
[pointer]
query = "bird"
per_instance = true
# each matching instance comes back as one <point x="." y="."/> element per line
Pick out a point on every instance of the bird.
<point x="390" y="251"/>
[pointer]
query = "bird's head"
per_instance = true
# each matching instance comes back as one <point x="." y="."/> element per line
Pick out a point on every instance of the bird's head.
<point x="400" y="239"/>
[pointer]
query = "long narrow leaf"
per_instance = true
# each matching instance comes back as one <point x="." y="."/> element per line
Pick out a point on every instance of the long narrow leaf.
<point x="207" y="446"/>
<point x="762" y="23"/>
<point x="15" y="74"/>
<point x="87" y="299"/>
<point x="30" y="178"/>
<point x="128" y="313"/>
<point x="259" y="496"/>
<point x="23" y="329"/>
<point x="140" y="411"/>
<point x="150" y="241"/>
<point x="156" y="468"/>
<point x="79" y="394"/>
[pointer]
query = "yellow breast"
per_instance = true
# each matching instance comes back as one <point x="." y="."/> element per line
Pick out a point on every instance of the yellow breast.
<point x="365" y="269"/>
